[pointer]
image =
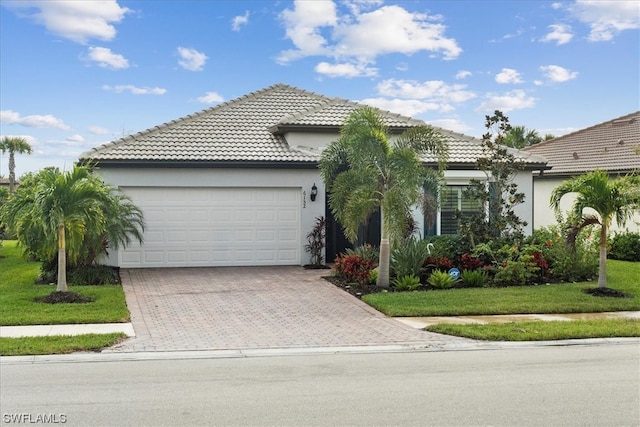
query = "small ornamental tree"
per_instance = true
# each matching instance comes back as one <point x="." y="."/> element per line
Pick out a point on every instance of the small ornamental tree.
<point x="498" y="194"/>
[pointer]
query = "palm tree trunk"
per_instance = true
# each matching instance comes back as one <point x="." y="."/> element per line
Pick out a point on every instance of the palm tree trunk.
<point x="385" y="253"/>
<point x="602" y="271"/>
<point x="12" y="172"/>
<point x="62" y="261"/>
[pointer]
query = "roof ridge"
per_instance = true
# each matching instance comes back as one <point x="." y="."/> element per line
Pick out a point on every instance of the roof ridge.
<point x="580" y="131"/>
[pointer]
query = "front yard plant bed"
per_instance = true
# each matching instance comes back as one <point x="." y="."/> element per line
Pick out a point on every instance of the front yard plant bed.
<point x="623" y="277"/>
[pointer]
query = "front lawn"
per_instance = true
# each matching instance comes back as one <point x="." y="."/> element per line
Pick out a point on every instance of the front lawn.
<point x="555" y="298"/>
<point x="18" y="294"/>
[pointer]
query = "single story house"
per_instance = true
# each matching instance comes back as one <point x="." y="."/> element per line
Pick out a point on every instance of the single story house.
<point x="239" y="184"/>
<point x="612" y="146"/>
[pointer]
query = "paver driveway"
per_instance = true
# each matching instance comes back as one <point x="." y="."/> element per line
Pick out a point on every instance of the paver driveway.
<point x="253" y="308"/>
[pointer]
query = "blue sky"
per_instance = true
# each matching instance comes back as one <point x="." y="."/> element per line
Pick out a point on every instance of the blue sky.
<point x="77" y="74"/>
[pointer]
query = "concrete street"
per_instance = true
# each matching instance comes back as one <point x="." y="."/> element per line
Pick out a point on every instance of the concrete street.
<point x="538" y="386"/>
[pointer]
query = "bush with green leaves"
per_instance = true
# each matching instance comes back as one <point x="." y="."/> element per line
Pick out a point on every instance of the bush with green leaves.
<point x="441" y="280"/>
<point x="567" y="262"/>
<point x="408" y="257"/>
<point x="625" y="246"/>
<point x="475" y="278"/>
<point x="406" y="283"/>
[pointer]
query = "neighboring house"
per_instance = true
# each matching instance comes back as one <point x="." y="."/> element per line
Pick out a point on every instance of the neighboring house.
<point x="4" y="183"/>
<point x="612" y="146"/>
<point x="238" y="183"/>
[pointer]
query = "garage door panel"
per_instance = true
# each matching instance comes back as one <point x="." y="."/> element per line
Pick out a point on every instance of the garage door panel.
<point x="216" y="227"/>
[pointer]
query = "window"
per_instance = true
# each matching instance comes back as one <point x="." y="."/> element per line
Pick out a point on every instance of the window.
<point x="453" y="206"/>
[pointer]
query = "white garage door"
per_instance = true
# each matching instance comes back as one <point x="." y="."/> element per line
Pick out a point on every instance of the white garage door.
<point x="216" y="227"/>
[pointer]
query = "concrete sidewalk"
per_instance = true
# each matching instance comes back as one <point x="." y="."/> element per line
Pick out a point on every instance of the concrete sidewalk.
<point x="415" y="322"/>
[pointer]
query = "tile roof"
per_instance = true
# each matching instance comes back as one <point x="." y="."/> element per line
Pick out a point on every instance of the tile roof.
<point x="251" y="129"/>
<point x="613" y="146"/>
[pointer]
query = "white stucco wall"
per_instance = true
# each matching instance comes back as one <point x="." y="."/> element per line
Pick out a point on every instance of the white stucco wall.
<point x="303" y="179"/>
<point x="544" y="216"/>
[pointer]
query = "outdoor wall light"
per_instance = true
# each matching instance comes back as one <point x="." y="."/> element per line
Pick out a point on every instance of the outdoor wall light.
<point x="314" y="192"/>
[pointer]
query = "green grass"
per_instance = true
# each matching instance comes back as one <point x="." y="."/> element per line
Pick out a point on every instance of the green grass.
<point x="543" y="331"/>
<point x="18" y="293"/>
<point x="556" y="298"/>
<point x="60" y="344"/>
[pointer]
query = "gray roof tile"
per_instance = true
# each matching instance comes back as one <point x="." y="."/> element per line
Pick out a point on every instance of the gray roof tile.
<point x="612" y="146"/>
<point x="249" y="129"/>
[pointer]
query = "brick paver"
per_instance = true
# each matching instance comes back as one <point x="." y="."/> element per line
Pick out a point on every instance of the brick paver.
<point x="176" y="309"/>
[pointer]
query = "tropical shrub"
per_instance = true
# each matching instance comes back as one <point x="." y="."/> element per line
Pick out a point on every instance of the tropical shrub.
<point x="441" y="263"/>
<point x="625" y="246"/>
<point x="354" y="268"/>
<point x="516" y="273"/>
<point x="475" y="278"/>
<point x="567" y="262"/>
<point x="406" y="283"/>
<point x="365" y="252"/>
<point x="408" y="258"/>
<point x="441" y="280"/>
<point x="316" y="241"/>
<point x="469" y="262"/>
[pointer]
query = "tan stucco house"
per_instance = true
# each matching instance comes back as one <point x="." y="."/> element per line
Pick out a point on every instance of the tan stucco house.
<point x="612" y="146"/>
<point x="233" y="184"/>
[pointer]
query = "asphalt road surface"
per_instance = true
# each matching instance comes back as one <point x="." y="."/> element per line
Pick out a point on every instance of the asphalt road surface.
<point x="585" y="385"/>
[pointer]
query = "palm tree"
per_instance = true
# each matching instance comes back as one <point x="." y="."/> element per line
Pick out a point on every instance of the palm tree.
<point x="14" y="145"/>
<point x="68" y="213"/>
<point x="609" y="198"/>
<point x="363" y="172"/>
<point x="520" y="137"/>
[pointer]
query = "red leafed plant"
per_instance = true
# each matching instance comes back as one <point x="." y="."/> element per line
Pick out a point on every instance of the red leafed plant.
<point x="354" y="268"/>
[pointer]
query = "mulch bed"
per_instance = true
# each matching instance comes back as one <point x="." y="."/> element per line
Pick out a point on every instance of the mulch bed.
<point x="606" y="292"/>
<point x="58" y="297"/>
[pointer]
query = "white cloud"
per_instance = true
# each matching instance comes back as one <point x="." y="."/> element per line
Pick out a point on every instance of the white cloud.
<point x="34" y="121"/>
<point x="345" y="70"/>
<point x="303" y="26"/>
<point x="454" y="125"/>
<point x="239" y="21"/>
<point x="560" y="33"/>
<point x="508" y="76"/>
<point x="509" y="101"/>
<point x="135" y="90"/>
<point x="79" y="21"/>
<point x="463" y="74"/>
<point x="392" y="29"/>
<point x="75" y="139"/>
<point x="407" y="107"/>
<point x="107" y="59"/>
<point x="192" y="60"/>
<point x="557" y="74"/>
<point x="317" y="29"/>
<point x="435" y="91"/>
<point x="607" y="18"/>
<point x="211" y="98"/>
<point x="98" y="130"/>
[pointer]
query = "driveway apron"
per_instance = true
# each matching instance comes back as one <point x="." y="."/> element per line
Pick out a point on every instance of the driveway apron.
<point x="233" y="308"/>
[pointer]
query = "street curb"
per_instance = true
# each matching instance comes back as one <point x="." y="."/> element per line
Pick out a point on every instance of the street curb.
<point x="247" y="353"/>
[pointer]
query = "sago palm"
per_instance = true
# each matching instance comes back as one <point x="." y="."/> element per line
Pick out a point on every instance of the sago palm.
<point x="14" y="145"/>
<point x="364" y="171"/>
<point x="610" y="198"/>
